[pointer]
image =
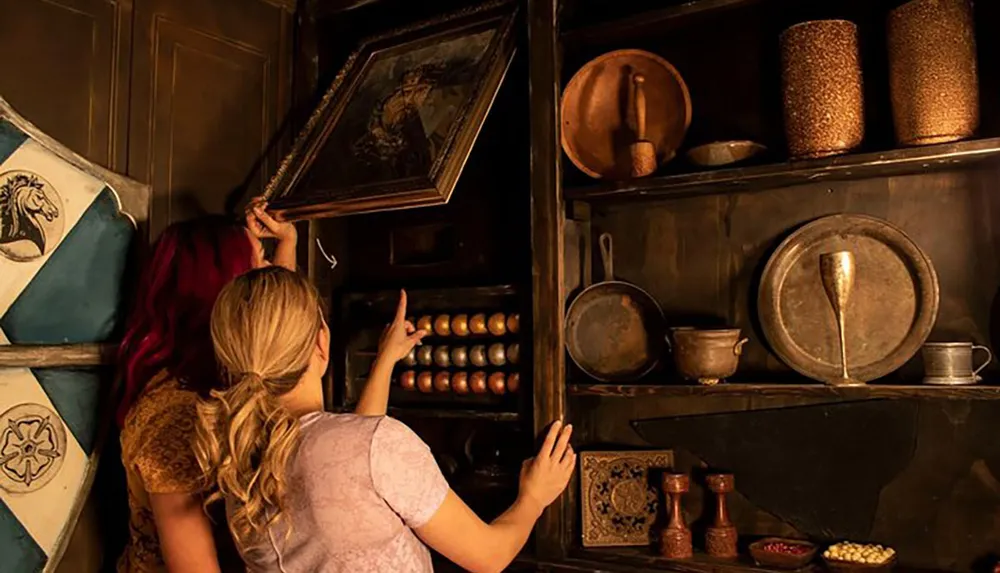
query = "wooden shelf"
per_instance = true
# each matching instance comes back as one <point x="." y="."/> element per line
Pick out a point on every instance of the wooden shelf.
<point x="454" y="414"/>
<point x="908" y="161"/>
<point x="815" y="390"/>
<point x="642" y="559"/>
<point x="653" y="20"/>
<point x="57" y="355"/>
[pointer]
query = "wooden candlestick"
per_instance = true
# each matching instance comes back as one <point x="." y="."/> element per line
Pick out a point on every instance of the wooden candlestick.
<point x="720" y="537"/>
<point x="675" y="540"/>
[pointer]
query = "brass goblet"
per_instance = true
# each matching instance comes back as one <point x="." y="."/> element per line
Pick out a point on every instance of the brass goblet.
<point x="837" y="271"/>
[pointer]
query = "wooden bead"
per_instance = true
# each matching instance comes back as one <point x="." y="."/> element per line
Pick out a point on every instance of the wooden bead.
<point x="460" y="383"/>
<point x="497" y="383"/>
<point x="477" y="324"/>
<point x="513" y="382"/>
<point x="442" y="325"/>
<point x="442" y="382"/>
<point x="408" y="380"/>
<point x="514" y="323"/>
<point x="425" y="382"/>
<point x="477" y="382"/>
<point x="497" y="324"/>
<point x="460" y="325"/>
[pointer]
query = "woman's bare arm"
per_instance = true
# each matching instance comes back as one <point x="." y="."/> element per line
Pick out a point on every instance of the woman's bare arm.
<point x="457" y="533"/>
<point x="374" y="400"/>
<point x="398" y="339"/>
<point x="185" y="533"/>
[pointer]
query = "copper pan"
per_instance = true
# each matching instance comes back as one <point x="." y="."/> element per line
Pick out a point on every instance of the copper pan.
<point x="599" y="124"/>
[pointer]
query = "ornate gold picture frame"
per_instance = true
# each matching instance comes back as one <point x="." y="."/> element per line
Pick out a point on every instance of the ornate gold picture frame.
<point x="397" y="124"/>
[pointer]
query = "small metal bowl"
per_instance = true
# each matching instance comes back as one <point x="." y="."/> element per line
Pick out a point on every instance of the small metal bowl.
<point x="721" y="153"/>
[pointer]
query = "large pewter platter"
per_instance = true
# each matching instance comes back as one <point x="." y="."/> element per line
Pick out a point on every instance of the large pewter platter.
<point x="891" y="311"/>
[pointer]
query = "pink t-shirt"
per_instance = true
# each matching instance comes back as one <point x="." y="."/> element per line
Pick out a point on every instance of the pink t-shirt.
<point x="357" y="486"/>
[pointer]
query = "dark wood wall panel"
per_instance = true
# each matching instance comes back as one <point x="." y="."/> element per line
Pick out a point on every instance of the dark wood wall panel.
<point x="65" y="67"/>
<point x="211" y="85"/>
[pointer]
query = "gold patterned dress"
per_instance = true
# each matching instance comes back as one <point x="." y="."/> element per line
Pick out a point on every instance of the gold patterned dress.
<point x="156" y="451"/>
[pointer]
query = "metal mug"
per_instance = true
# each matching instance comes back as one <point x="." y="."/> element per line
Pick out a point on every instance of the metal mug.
<point x="950" y="363"/>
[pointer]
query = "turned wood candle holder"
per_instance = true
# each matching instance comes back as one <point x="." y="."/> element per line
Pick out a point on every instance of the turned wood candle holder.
<point x="675" y="540"/>
<point x="720" y="537"/>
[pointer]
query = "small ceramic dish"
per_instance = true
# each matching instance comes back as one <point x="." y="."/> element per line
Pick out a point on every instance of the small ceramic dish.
<point x="721" y="153"/>
<point x="836" y="566"/>
<point x="781" y="560"/>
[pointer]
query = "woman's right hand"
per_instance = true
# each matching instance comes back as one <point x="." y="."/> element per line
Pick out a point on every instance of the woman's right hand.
<point x="545" y="476"/>
<point x="400" y="336"/>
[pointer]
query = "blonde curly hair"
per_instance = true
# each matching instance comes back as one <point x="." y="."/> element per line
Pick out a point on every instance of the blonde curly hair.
<point x="264" y="329"/>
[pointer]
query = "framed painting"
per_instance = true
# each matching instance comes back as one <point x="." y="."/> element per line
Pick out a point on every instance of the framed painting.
<point x="397" y="124"/>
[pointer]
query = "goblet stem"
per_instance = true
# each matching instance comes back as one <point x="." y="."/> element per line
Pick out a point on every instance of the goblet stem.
<point x="837" y="271"/>
<point x="841" y="327"/>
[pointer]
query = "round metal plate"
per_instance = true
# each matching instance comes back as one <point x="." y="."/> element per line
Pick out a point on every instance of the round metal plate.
<point x="596" y="119"/>
<point x="890" y="314"/>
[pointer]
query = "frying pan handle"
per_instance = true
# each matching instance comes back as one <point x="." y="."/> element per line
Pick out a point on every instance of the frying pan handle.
<point x="640" y="106"/>
<point x="607" y="256"/>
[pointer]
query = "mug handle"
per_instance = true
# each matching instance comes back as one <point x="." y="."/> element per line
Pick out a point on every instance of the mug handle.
<point x="989" y="358"/>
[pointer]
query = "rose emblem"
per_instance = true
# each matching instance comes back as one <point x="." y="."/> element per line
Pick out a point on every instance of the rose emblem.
<point x="32" y="444"/>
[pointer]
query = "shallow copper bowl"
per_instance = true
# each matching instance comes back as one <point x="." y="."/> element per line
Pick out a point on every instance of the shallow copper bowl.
<point x="596" y="133"/>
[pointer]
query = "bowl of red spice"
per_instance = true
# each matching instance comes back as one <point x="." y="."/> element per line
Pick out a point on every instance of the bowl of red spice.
<point x="782" y="553"/>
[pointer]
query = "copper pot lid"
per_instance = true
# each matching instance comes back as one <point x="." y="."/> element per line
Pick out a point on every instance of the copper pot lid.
<point x="598" y="120"/>
<point x="892" y="308"/>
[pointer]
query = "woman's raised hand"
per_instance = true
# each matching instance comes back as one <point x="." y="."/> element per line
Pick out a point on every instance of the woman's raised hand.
<point x="400" y="336"/>
<point x="545" y="476"/>
<point x="263" y="226"/>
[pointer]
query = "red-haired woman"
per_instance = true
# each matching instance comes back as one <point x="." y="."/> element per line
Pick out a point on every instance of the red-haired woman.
<point x="167" y="361"/>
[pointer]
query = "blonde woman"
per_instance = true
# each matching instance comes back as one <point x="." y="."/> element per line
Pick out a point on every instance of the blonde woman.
<point x="312" y="491"/>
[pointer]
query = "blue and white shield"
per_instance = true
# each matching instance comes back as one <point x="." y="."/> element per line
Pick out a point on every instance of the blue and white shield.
<point x="65" y="241"/>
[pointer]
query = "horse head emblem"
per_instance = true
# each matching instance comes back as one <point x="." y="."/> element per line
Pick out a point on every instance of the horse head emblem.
<point x="27" y="209"/>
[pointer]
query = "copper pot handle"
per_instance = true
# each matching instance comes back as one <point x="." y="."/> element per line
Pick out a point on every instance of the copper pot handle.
<point x="989" y="358"/>
<point x="607" y="256"/>
<point x="738" y="347"/>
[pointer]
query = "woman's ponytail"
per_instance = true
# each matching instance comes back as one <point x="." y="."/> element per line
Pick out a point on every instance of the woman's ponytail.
<point x="245" y="437"/>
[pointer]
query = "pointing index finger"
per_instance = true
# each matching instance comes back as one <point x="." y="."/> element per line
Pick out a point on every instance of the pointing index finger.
<point x="401" y="308"/>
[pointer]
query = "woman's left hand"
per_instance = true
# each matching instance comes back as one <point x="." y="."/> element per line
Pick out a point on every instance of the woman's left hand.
<point x="263" y="226"/>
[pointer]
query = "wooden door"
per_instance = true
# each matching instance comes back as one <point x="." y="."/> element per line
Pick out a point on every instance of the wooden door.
<point x="65" y="68"/>
<point x="211" y="82"/>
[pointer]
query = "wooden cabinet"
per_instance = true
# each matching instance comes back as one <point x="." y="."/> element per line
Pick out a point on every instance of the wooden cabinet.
<point x="185" y="95"/>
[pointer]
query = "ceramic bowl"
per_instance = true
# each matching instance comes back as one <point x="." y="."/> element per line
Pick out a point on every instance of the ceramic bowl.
<point x="778" y="560"/>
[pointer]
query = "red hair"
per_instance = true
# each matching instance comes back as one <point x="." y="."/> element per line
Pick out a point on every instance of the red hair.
<point x="169" y="326"/>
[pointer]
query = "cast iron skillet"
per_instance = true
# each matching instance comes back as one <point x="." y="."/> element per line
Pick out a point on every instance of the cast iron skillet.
<point x="614" y="330"/>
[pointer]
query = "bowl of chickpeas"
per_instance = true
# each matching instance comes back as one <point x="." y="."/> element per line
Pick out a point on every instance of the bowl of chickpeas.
<point x="849" y="557"/>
